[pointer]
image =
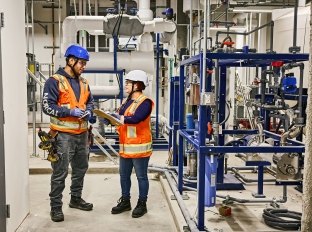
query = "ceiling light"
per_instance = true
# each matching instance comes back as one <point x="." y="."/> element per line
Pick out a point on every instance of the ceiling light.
<point x="253" y="9"/>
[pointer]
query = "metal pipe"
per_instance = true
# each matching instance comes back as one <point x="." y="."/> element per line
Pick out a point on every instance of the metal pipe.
<point x="191" y="29"/>
<point x="273" y="201"/>
<point x="206" y="35"/>
<point x="292" y="133"/>
<point x="295" y="24"/>
<point x="157" y="83"/>
<point x="189" y="220"/>
<point x="32" y="27"/>
<point x="301" y="67"/>
<point x="249" y="180"/>
<point x="243" y="33"/>
<point x="34" y="77"/>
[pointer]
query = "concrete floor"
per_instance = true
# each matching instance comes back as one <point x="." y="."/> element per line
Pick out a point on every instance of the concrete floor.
<point x="102" y="188"/>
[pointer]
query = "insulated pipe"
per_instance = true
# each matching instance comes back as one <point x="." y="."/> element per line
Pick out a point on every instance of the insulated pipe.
<point x="128" y="61"/>
<point x="145" y="13"/>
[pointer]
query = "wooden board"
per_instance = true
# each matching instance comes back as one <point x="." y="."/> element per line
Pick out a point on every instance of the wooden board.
<point x="114" y="121"/>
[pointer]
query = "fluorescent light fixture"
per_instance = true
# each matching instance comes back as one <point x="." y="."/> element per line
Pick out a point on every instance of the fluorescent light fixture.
<point x="235" y="28"/>
<point x="253" y="9"/>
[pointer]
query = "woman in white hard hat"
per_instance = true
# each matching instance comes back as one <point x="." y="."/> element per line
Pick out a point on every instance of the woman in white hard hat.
<point x="135" y="142"/>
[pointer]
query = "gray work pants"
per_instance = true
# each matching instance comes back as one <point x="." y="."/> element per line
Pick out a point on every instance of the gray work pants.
<point x="73" y="149"/>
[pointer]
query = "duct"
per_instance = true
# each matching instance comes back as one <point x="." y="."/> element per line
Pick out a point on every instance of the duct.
<point x="130" y="26"/>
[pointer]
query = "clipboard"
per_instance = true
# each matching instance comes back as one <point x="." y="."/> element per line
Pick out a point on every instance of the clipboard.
<point x="114" y="121"/>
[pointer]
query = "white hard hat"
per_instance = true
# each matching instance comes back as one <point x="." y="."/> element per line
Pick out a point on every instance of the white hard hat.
<point x="137" y="75"/>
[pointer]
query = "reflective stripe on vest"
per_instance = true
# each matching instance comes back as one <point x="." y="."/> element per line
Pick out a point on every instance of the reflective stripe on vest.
<point x="135" y="148"/>
<point x="70" y="125"/>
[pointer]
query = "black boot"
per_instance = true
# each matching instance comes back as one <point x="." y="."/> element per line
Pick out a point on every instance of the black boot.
<point x="140" y="209"/>
<point x="123" y="205"/>
<point x="57" y="214"/>
<point x="79" y="203"/>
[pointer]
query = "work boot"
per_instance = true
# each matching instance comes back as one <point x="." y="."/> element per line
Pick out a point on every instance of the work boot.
<point x="79" y="203"/>
<point x="140" y="209"/>
<point x="123" y="204"/>
<point x="57" y="214"/>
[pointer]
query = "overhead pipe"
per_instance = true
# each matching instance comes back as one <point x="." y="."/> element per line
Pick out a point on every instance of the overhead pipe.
<point x="271" y="24"/>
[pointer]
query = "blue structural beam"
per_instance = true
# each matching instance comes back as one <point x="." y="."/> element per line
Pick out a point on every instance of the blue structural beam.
<point x="249" y="59"/>
<point x="157" y="83"/>
<point x="252" y="149"/>
<point x="175" y="113"/>
<point x="181" y="127"/>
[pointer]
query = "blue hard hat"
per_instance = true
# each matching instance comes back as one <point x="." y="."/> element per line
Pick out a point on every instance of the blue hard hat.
<point x="78" y="52"/>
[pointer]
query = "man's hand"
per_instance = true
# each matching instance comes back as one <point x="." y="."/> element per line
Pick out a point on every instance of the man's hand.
<point x="76" y="112"/>
<point x="87" y="115"/>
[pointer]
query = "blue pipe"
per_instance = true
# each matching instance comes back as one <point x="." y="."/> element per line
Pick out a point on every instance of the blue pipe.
<point x="181" y="122"/>
<point x="202" y="120"/>
<point x="157" y="84"/>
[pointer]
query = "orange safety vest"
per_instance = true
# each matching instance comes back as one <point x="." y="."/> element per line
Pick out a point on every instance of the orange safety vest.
<point x="135" y="140"/>
<point x="67" y="98"/>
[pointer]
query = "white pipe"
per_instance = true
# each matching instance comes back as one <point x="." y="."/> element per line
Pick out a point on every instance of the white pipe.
<point x="146" y="43"/>
<point x="128" y="61"/>
<point x="145" y="13"/>
<point x="104" y="90"/>
<point x="159" y="25"/>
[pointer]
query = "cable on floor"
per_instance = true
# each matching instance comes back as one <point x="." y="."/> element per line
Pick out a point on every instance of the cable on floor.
<point x="276" y="218"/>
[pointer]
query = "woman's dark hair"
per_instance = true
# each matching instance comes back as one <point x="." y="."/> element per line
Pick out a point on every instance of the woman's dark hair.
<point x="140" y="85"/>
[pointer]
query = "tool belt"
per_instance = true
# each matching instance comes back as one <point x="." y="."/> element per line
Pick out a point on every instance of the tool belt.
<point x="48" y="144"/>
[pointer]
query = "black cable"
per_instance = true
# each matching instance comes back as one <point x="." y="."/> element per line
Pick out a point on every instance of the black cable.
<point x="276" y="218"/>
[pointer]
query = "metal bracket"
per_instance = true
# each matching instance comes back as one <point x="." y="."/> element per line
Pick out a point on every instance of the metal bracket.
<point x="184" y="197"/>
<point x="207" y="98"/>
<point x="8" y="211"/>
<point x="1" y="19"/>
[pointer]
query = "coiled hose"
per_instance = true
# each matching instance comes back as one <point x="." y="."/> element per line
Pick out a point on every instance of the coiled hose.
<point x="276" y="218"/>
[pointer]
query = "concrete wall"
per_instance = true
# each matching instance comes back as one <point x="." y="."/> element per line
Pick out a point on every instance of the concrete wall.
<point x="15" y="110"/>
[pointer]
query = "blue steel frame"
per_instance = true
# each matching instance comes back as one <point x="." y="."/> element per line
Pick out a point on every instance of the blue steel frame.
<point x="208" y="174"/>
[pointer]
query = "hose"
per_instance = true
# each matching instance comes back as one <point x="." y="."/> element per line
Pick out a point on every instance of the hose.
<point x="276" y="218"/>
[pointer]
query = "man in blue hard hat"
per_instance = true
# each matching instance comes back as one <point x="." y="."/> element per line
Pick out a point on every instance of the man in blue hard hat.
<point x="68" y="101"/>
